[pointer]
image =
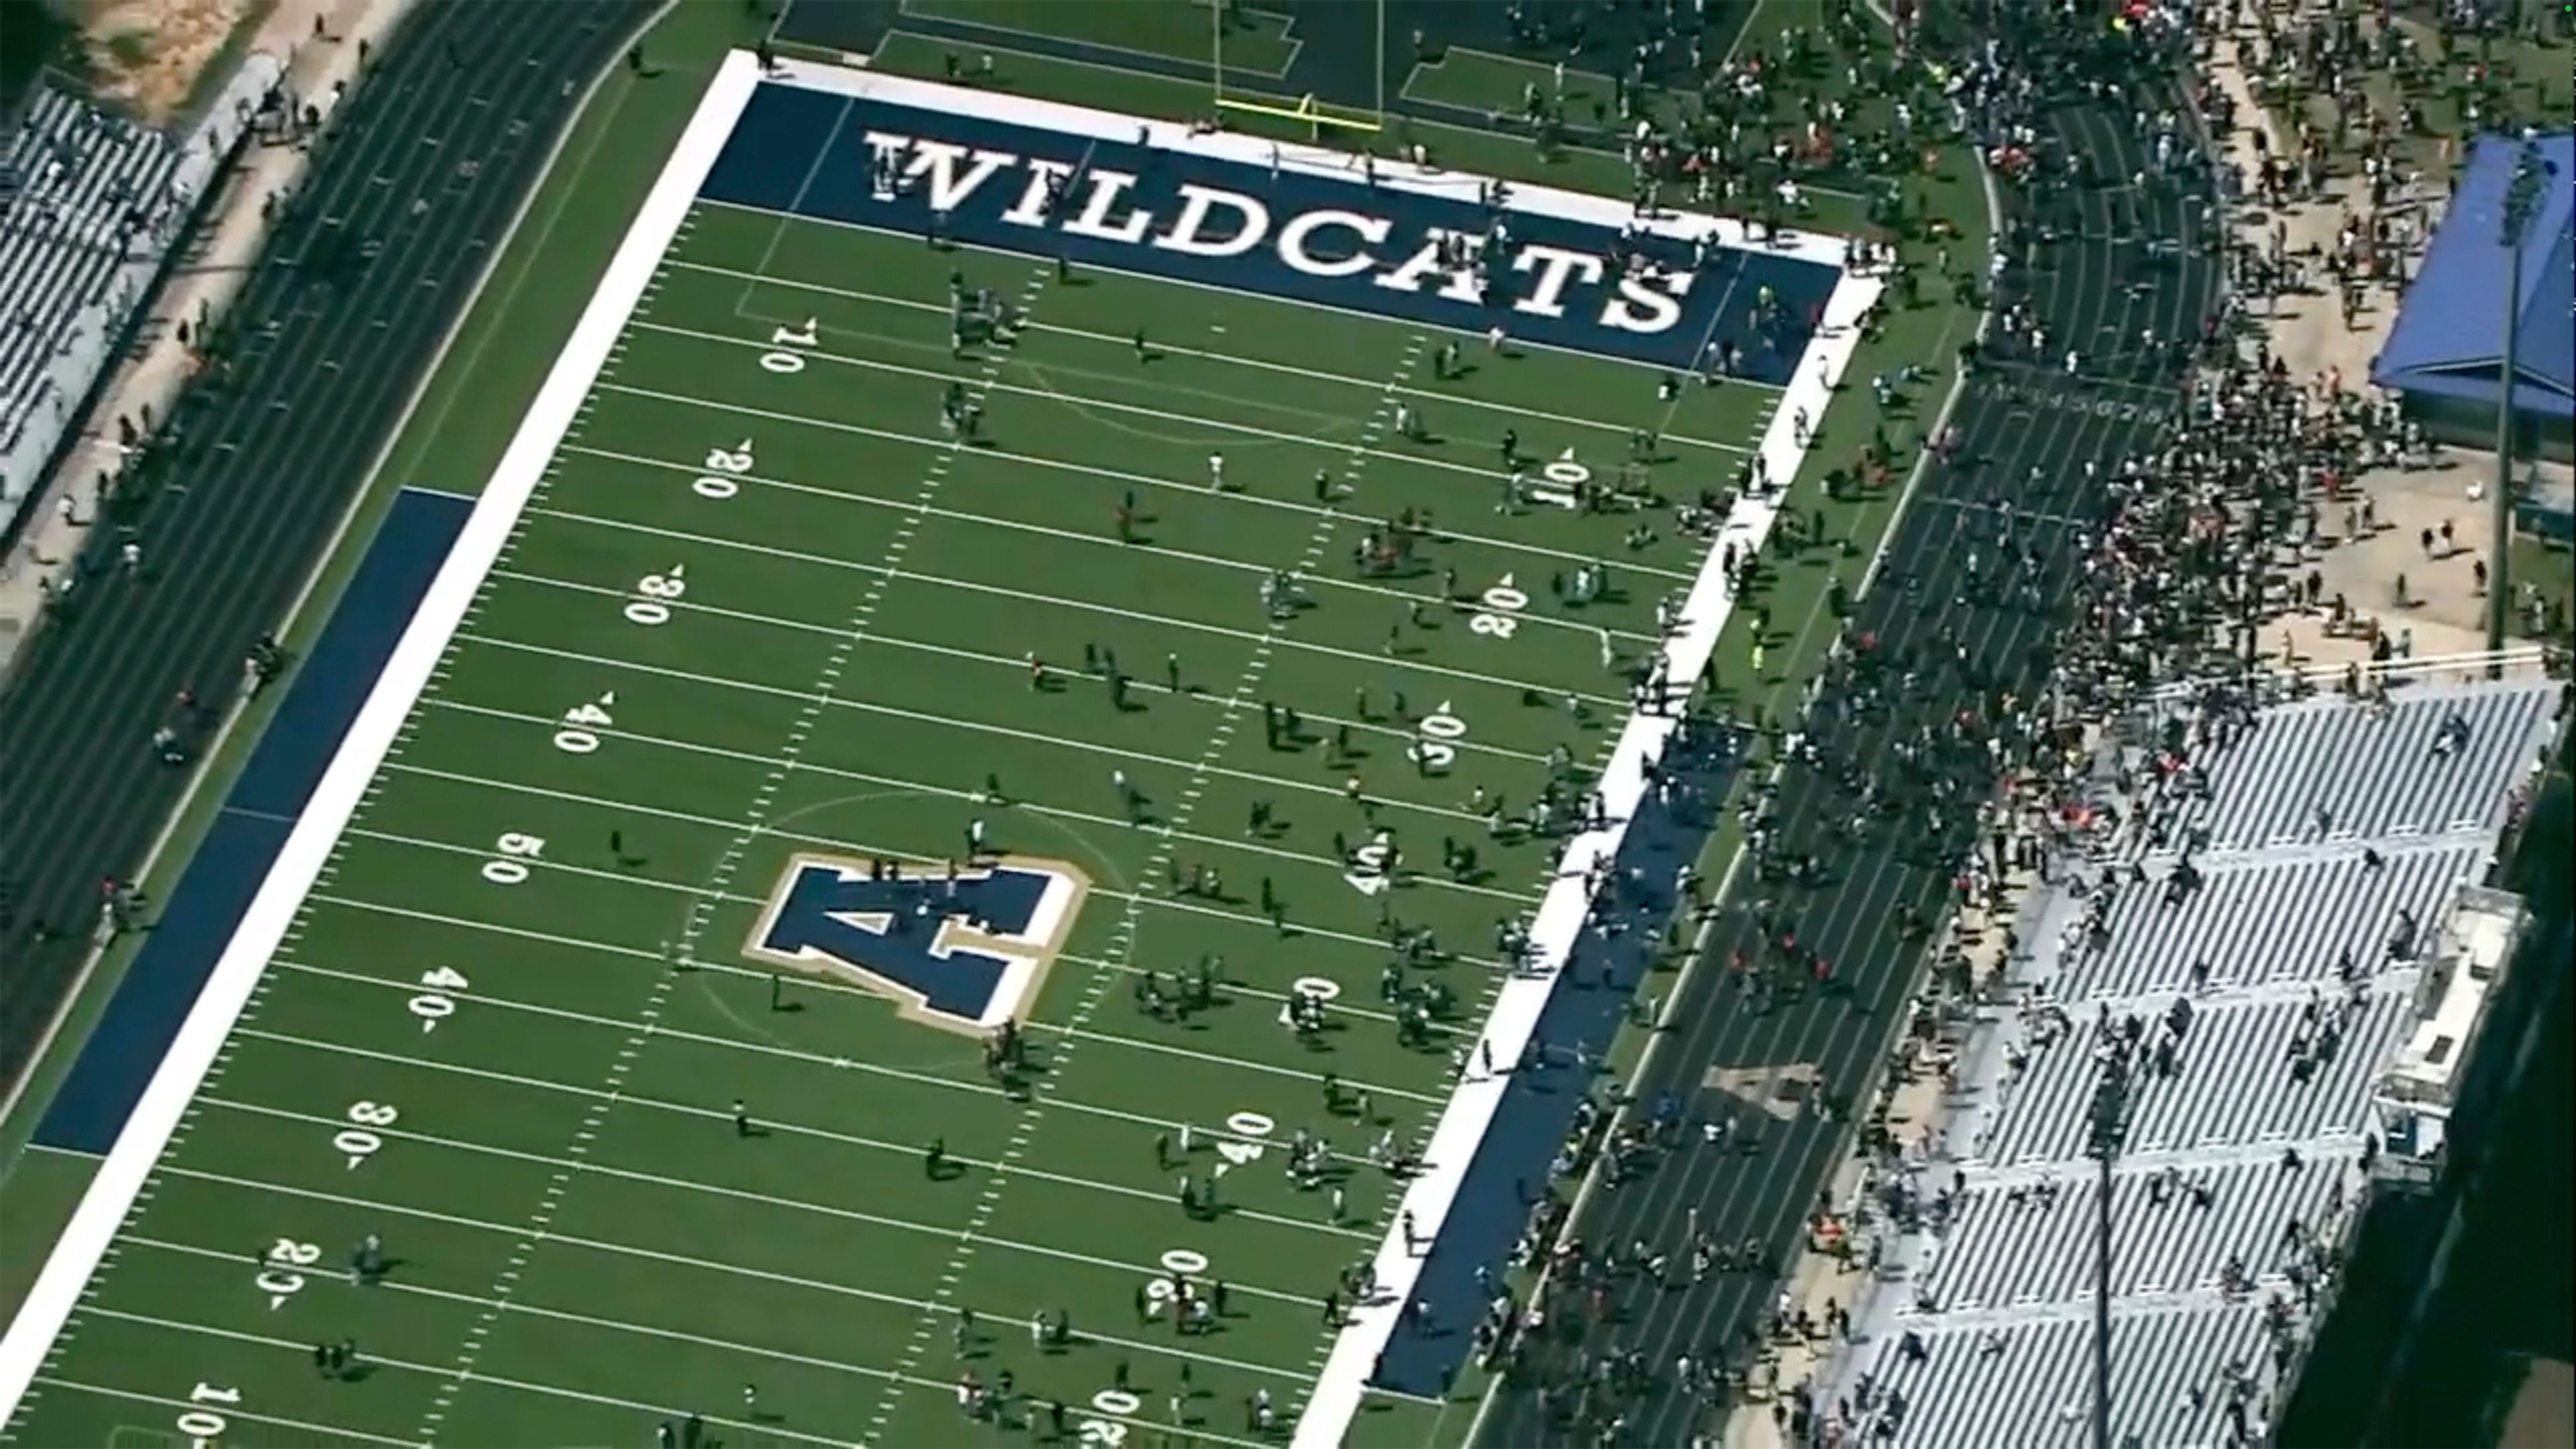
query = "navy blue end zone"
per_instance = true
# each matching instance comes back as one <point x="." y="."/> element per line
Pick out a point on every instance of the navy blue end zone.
<point x="1336" y="242"/>
<point x="90" y="1109"/>
<point x="1591" y="1001"/>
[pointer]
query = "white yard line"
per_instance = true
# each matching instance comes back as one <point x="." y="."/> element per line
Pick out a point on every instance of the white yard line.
<point x="1445" y="399"/>
<point x="770" y="1049"/>
<point x="1483" y="476"/>
<point x="1004" y="731"/>
<point x="1408" y="664"/>
<point x="1317" y="580"/>
<point x="1086" y="470"/>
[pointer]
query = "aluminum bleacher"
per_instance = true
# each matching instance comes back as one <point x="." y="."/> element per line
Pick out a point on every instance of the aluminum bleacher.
<point x="2258" y="998"/>
<point x="82" y="193"/>
<point x="91" y="205"/>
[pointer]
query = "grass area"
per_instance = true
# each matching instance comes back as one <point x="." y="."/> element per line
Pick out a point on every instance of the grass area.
<point x="1256" y="43"/>
<point x="442" y="1026"/>
<point x="2550" y="567"/>
<point x="1481" y="81"/>
<point x="2441" y="93"/>
<point x="43" y="1189"/>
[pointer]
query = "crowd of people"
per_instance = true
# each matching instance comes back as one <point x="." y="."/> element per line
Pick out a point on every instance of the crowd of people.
<point x="2182" y="556"/>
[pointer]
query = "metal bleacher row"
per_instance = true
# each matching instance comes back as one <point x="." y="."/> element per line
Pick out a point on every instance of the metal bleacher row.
<point x="91" y="206"/>
<point x="82" y="194"/>
<point x="2328" y="838"/>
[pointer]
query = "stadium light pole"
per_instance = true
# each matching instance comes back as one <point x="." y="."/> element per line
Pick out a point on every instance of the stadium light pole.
<point x="2109" y="1124"/>
<point x="2521" y="203"/>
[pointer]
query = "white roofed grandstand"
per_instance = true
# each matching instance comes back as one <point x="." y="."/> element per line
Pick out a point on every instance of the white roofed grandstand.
<point x="90" y="206"/>
<point x="2248" y="932"/>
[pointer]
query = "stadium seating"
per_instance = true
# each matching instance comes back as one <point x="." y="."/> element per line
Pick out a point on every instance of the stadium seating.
<point x="82" y="194"/>
<point x="91" y="205"/>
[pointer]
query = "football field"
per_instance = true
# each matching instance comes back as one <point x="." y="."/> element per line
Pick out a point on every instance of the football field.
<point x="1178" y="659"/>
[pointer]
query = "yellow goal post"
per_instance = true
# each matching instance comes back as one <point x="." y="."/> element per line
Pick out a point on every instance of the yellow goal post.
<point x="1323" y="121"/>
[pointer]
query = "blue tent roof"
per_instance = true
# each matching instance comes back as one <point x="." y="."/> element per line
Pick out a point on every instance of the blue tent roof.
<point x="2449" y="338"/>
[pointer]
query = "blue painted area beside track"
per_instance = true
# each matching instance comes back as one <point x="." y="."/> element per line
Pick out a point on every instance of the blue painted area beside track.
<point x="1592" y="1000"/>
<point x="330" y="684"/>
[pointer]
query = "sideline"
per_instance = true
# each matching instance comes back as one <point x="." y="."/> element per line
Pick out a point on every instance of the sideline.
<point x="1344" y="1383"/>
<point x="84" y="1243"/>
<point x="1679" y="994"/>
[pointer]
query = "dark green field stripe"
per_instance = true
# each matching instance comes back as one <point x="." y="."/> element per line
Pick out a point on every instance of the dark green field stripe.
<point x="1183" y="521"/>
<point x="271" y="1368"/>
<point x="1228" y="365"/>
<point x="1043" y="813"/>
<point x="1111" y="303"/>
<point x="385" y="871"/>
<point x="1156" y="582"/>
<point x="659" y="497"/>
<point x="1036" y="364"/>
<point x="674" y="855"/>
<point x="803" y="439"/>
<point x="222" y="1287"/>
<point x="494" y="673"/>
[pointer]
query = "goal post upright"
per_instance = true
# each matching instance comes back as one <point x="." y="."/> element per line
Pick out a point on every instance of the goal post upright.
<point x="1324" y="123"/>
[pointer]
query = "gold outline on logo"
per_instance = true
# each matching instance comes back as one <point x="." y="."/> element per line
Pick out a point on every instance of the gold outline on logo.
<point x="954" y="934"/>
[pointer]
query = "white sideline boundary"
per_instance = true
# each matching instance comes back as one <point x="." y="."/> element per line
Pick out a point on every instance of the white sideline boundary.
<point x="1343" y="1385"/>
<point x="111" y="1194"/>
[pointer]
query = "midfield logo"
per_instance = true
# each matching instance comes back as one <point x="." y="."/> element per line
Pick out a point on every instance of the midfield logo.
<point x="963" y="950"/>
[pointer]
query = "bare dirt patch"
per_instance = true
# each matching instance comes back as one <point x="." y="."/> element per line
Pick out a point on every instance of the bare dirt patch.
<point x="147" y="55"/>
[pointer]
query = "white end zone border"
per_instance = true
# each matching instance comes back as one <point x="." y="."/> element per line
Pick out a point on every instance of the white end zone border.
<point x="76" y="1255"/>
<point x="1463" y="1123"/>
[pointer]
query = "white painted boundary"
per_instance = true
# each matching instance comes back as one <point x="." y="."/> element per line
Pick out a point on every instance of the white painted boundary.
<point x="1401" y="176"/>
<point x="1470" y="1113"/>
<point x="58" y="1289"/>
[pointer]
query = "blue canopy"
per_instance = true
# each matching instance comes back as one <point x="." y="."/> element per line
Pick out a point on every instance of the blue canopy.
<point x="2449" y="338"/>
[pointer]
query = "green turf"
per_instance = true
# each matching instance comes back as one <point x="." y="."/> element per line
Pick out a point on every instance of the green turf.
<point x="570" y="1271"/>
<point x="43" y="1188"/>
<point x="1256" y="44"/>
<point x="1013" y="554"/>
<point x="1480" y="81"/>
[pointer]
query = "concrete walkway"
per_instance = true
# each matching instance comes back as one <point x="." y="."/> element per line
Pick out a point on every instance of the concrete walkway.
<point x="322" y="40"/>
